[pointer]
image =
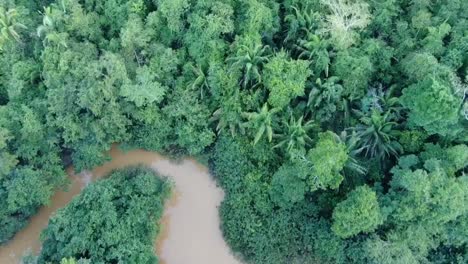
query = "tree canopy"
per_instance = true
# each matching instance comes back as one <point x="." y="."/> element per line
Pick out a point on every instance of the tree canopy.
<point x="337" y="128"/>
<point x="111" y="221"/>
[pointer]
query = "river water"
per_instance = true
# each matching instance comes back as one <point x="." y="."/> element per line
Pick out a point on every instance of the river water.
<point x="190" y="225"/>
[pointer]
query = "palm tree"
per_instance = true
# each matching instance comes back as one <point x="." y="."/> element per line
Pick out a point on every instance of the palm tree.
<point x="383" y="100"/>
<point x="262" y="122"/>
<point x="302" y="21"/>
<point x="314" y="48"/>
<point x="377" y="135"/>
<point x="47" y="29"/>
<point x="295" y="135"/>
<point x="250" y="59"/>
<point x="229" y="115"/>
<point x="47" y="22"/>
<point x="379" y="115"/>
<point x="352" y="163"/>
<point x="325" y="98"/>
<point x="9" y="25"/>
<point x="228" y="120"/>
<point x="200" y="82"/>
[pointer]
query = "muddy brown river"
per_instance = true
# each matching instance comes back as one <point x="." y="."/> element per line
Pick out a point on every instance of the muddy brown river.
<point x="190" y="225"/>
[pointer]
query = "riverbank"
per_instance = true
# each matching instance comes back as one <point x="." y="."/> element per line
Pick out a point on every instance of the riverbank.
<point x="190" y="222"/>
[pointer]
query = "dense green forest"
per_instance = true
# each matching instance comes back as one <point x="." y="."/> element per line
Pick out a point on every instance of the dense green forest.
<point x="337" y="128"/>
<point x="111" y="221"/>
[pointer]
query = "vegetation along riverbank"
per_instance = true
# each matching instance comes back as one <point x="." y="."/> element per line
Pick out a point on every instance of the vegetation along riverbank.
<point x="336" y="129"/>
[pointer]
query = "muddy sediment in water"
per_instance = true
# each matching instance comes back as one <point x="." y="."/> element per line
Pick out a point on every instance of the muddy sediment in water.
<point x="190" y="227"/>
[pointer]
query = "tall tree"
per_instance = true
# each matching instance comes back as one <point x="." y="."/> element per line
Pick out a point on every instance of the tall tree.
<point x="9" y="25"/>
<point x="262" y="122"/>
<point x="285" y="79"/>
<point x="360" y="212"/>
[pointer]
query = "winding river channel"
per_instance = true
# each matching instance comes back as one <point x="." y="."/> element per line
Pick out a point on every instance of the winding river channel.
<point x="190" y="226"/>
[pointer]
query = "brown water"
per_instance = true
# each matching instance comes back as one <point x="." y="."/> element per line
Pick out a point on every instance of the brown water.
<point x="190" y="226"/>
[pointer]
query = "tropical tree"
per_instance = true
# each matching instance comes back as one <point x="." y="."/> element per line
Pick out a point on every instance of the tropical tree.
<point x="352" y="164"/>
<point x="377" y="135"/>
<point x="460" y="89"/>
<point x="377" y="132"/>
<point x="145" y="91"/>
<point x="287" y="185"/>
<point x="346" y="16"/>
<point x="200" y="82"/>
<point x="302" y="20"/>
<point x="355" y="70"/>
<point x="109" y="216"/>
<point x="47" y="29"/>
<point x="325" y="161"/>
<point x="434" y="106"/>
<point x="224" y="89"/>
<point x="68" y="261"/>
<point x="258" y="18"/>
<point x="382" y="100"/>
<point x="250" y="59"/>
<point x="314" y="48"/>
<point x="262" y="122"/>
<point x="173" y="12"/>
<point x="307" y="41"/>
<point x="360" y="212"/>
<point x="229" y="114"/>
<point x="285" y="78"/>
<point x="295" y="134"/>
<point x="9" y="24"/>
<point x="325" y="98"/>
<point x="47" y="22"/>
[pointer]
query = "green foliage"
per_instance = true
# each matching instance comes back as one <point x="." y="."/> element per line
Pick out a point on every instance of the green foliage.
<point x="360" y="212"/>
<point x="377" y="135"/>
<point x="132" y="37"/>
<point x="230" y="161"/>
<point x="434" y="41"/>
<point x="9" y="25"/>
<point x="30" y="167"/>
<point x="201" y="81"/>
<point x="21" y="193"/>
<point x="210" y="21"/>
<point x="27" y="189"/>
<point x="173" y="12"/>
<point x="412" y="140"/>
<point x="190" y="77"/>
<point x="325" y="98"/>
<point x="288" y="186"/>
<point x="228" y="97"/>
<point x="417" y="66"/>
<point x="188" y="119"/>
<point x="328" y="159"/>
<point x="86" y="108"/>
<point x="68" y="261"/>
<point x="345" y="16"/>
<point x="250" y="60"/>
<point x="447" y="196"/>
<point x="258" y="17"/>
<point x="261" y="122"/>
<point x="419" y="99"/>
<point x="295" y="135"/>
<point x="452" y="159"/>
<point x="145" y="91"/>
<point x="355" y="71"/>
<point x="110" y="227"/>
<point x="285" y="79"/>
